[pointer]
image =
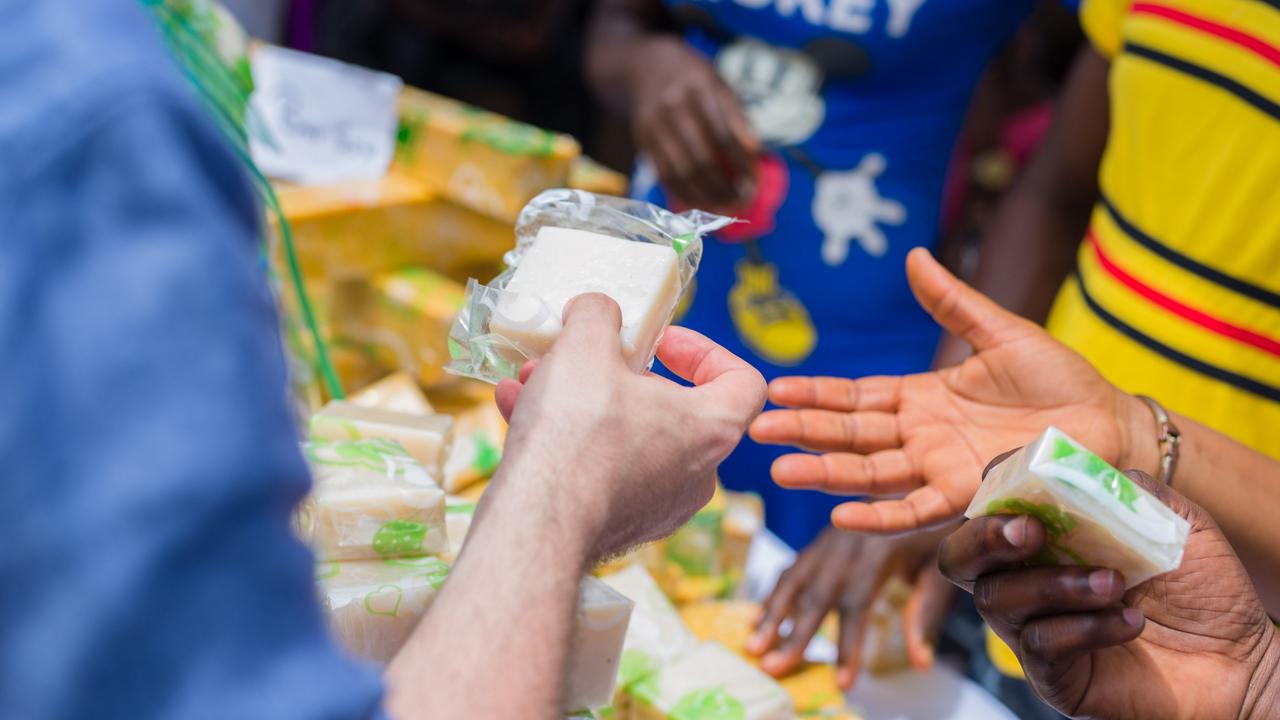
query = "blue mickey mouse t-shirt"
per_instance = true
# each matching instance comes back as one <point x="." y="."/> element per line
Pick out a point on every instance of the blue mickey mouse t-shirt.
<point x="858" y="104"/>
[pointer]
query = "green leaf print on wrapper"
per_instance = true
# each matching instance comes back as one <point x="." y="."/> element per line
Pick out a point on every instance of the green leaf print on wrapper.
<point x="1111" y="479"/>
<point x="487" y="456"/>
<point x="708" y="704"/>
<point x="507" y="136"/>
<point x="1056" y="524"/>
<point x="634" y="666"/>
<point x="380" y="601"/>
<point x="375" y="454"/>
<point x="399" y="537"/>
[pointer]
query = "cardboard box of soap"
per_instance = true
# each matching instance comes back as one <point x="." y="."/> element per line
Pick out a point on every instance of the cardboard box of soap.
<point x="477" y="159"/>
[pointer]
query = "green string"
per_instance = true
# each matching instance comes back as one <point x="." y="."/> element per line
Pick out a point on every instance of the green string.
<point x="228" y="98"/>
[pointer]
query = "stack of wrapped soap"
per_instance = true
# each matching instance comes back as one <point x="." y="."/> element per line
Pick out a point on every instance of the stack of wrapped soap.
<point x="706" y="559"/>
<point x="672" y="670"/>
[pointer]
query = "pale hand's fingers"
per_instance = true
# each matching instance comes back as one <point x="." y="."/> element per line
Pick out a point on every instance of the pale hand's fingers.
<point x="728" y="380"/>
<point x="878" y="393"/>
<point x="922" y="508"/>
<point x="506" y="395"/>
<point x="888" y="472"/>
<point x="958" y="308"/>
<point x="824" y="430"/>
<point x="591" y="329"/>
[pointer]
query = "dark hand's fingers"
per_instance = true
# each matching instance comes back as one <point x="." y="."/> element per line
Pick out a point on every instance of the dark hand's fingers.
<point x="1175" y="501"/>
<point x="887" y="472"/>
<point x="506" y="395"/>
<point x="778" y="606"/>
<point x="1009" y="599"/>
<point x="922" y="508"/>
<point x="591" y="325"/>
<point x="995" y="461"/>
<point x="989" y="544"/>
<point x="960" y="309"/>
<point x="812" y="604"/>
<point x="696" y="137"/>
<point x="675" y="169"/>
<point x="739" y="162"/>
<point x="923" y="615"/>
<point x="855" y="603"/>
<point x="824" y="430"/>
<point x="837" y="394"/>
<point x="1049" y="643"/>
<point x="728" y="382"/>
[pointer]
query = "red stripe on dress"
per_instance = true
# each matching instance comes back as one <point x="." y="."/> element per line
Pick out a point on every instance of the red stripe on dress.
<point x="1182" y="310"/>
<point x="1252" y="43"/>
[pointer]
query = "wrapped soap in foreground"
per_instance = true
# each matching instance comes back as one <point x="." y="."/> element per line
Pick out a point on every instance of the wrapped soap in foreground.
<point x="428" y="438"/>
<point x="370" y="499"/>
<point x="1093" y="514"/>
<point x="373" y="605"/>
<point x="710" y="681"/>
<point x="595" y="650"/>
<point x="571" y="242"/>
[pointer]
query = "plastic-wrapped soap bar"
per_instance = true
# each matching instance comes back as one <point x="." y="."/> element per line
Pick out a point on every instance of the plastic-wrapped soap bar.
<point x="373" y="605"/>
<point x="562" y="263"/>
<point x="595" y="653"/>
<point x="710" y="681"/>
<point x="370" y="499"/>
<point x="396" y="392"/>
<point x="1092" y="513"/>
<point x="571" y="242"/>
<point x="428" y="438"/>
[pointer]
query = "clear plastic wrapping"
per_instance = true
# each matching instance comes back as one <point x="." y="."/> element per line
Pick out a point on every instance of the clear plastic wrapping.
<point x="479" y="351"/>
<point x="1093" y="515"/>
<point x="370" y="499"/>
<point x="372" y="606"/>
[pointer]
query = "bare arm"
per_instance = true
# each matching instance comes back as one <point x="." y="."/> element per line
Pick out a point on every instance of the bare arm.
<point x="495" y="642"/>
<point x="598" y="460"/>
<point x="1031" y="244"/>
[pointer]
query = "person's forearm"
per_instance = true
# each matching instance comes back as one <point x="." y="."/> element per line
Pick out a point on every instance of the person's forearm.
<point x="496" y="641"/>
<point x="1234" y="483"/>
<point x="616" y="28"/>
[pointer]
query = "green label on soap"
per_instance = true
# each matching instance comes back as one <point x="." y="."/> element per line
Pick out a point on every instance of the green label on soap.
<point x="376" y="454"/>
<point x="399" y="537"/>
<point x="1056" y="522"/>
<point x="1112" y="480"/>
<point x="708" y="704"/>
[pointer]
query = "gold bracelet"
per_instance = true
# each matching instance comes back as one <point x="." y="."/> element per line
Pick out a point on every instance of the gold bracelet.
<point x="1169" y="438"/>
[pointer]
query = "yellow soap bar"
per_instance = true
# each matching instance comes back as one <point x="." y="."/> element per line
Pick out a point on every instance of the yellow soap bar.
<point x="587" y="174"/>
<point x="414" y="309"/>
<point x="480" y="160"/>
<point x="370" y="499"/>
<point x="397" y="392"/>
<point x="370" y="227"/>
<point x="372" y="606"/>
<point x="428" y="438"/>
<point x="562" y="263"/>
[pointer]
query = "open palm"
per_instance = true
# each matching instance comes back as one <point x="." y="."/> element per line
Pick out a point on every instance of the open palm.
<point x="929" y="435"/>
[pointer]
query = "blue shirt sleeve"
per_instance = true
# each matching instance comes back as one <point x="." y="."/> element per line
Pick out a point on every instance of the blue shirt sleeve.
<point x="150" y="463"/>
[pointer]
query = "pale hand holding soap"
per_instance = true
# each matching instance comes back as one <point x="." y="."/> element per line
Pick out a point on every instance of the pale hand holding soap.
<point x="372" y="606"/>
<point x="428" y="438"/>
<point x="370" y="499"/>
<point x="643" y="278"/>
<point x="1092" y="514"/>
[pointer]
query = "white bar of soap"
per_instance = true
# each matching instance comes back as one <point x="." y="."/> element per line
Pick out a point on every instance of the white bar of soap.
<point x="428" y="438"/>
<point x="1093" y="515"/>
<point x="562" y="263"/>
<point x="370" y="499"/>
<point x="600" y="627"/>
<point x="710" y="681"/>
<point x="372" y="606"/>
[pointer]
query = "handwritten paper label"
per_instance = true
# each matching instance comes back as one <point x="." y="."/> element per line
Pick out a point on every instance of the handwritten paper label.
<point x="322" y="121"/>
